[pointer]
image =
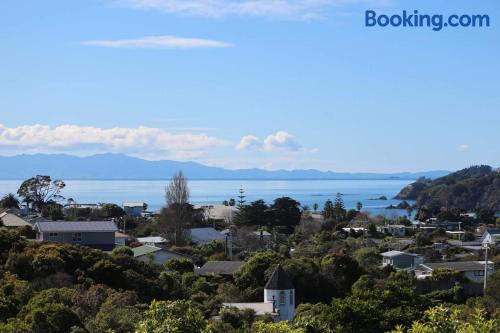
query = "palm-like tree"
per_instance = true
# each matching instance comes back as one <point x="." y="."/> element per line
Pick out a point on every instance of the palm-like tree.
<point x="9" y="201"/>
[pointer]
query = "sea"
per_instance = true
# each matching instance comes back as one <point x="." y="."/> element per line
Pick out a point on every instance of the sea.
<point x="213" y="192"/>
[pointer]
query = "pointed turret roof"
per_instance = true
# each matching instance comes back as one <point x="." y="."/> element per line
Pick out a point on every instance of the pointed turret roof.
<point x="279" y="280"/>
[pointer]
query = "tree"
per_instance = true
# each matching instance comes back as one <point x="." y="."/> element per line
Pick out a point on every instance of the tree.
<point x="178" y="210"/>
<point x="53" y="211"/>
<point x="447" y="320"/>
<point x="117" y="314"/>
<point x="409" y="211"/>
<point x="254" y="214"/>
<point x="281" y="327"/>
<point x="110" y="210"/>
<point x="9" y="201"/>
<point x="172" y="317"/>
<point x="367" y="257"/>
<point x="285" y="212"/>
<point x="359" y="205"/>
<point x="39" y="190"/>
<point x="241" y="198"/>
<point x="225" y="203"/>
<point x="232" y="202"/>
<point x="492" y="294"/>
<point x="339" y="211"/>
<point x="315" y="207"/>
<point x="328" y="210"/>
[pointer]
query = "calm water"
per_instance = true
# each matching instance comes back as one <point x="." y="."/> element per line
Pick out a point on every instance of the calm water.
<point x="215" y="191"/>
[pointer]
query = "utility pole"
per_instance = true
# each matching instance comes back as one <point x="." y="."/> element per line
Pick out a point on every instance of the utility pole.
<point x="485" y="266"/>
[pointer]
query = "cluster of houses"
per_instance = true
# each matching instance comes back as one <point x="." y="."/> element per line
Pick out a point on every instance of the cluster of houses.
<point x="279" y="293"/>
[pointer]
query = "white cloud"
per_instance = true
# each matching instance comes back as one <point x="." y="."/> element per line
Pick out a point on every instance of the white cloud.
<point x="248" y="142"/>
<point x="280" y="140"/>
<point x="159" y="42"/>
<point x="315" y="150"/>
<point x="294" y="9"/>
<point x="464" y="147"/>
<point x="141" y="141"/>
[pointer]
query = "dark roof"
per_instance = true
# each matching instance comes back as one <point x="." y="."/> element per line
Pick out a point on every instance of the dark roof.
<point x="219" y="268"/>
<point x="279" y="280"/>
<point x="77" y="226"/>
<point x="461" y="266"/>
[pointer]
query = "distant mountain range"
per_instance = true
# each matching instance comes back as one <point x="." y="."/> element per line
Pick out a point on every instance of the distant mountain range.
<point x="116" y="166"/>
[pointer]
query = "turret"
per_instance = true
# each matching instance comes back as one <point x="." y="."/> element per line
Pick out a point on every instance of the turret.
<point x="279" y="289"/>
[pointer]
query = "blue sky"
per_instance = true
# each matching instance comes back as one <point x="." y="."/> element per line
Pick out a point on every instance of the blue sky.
<point x="269" y="84"/>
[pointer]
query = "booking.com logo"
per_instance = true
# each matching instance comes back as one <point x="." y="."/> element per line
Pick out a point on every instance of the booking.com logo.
<point x="436" y="21"/>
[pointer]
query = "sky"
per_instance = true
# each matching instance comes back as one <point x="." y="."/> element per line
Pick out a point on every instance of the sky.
<point x="274" y="84"/>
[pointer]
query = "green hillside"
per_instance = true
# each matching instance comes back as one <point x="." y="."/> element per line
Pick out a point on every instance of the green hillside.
<point x="468" y="189"/>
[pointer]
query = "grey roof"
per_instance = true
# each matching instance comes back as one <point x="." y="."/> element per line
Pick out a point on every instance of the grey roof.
<point x="77" y="226"/>
<point x="205" y="235"/>
<point x="12" y="220"/>
<point x="220" y="267"/>
<point x="279" y="280"/>
<point x="394" y="253"/>
<point x="461" y="266"/>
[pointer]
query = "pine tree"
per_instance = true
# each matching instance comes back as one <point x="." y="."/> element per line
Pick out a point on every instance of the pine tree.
<point x="241" y="198"/>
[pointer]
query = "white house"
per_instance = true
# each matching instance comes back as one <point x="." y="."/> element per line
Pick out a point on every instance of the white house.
<point x="472" y="270"/>
<point x="279" y="298"/>
<point x="490" y="236"/>
<point x="153" y="240"/>
<point x="401" y="260"/>
<point x="395" y="230"/>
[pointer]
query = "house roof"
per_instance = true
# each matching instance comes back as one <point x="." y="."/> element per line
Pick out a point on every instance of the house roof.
<point x="12" y="220"/>
<point x="264" y="233"/>
<point x="145" y="249"/>
<point x="220" y="267"/>
<point x="77" y="226"/>
<point x="279" y="280"/>
<point x="259" y="308"/>
<point x="205" y="235"/>
<point x="152" y="239"/>
<point x="461" y="266"/>
<point x="394" y="253"/>
<point x="133" y="204"/>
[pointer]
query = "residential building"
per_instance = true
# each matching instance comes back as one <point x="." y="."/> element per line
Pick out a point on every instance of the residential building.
<point x="279" y="298"/>
<point x="472" y="270"/>
<point x="222" y="268"/>
<point x="490" y="236"/>
<point x="202" y="236"/>
<point x="134" y="209"/>
<point x="401" y="260"/>
<point x="10" y="220"/>
<point x="393" y="230"/>
<point x="157" y="255"/>
<point x="97" y="234"/>
<point x="120" y="239"/>
<point x="153" y="240"/>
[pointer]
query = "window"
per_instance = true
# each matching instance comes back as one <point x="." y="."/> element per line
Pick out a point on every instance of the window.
<point x="478" y="273"/>
<point x="77" y="237"/>
<point x="53" y="234"/>
<point x="291" y="297"/>
<point x="282" y="298"/>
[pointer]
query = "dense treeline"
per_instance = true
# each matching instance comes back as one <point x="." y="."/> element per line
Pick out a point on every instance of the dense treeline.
<point x="470" y="189"/>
